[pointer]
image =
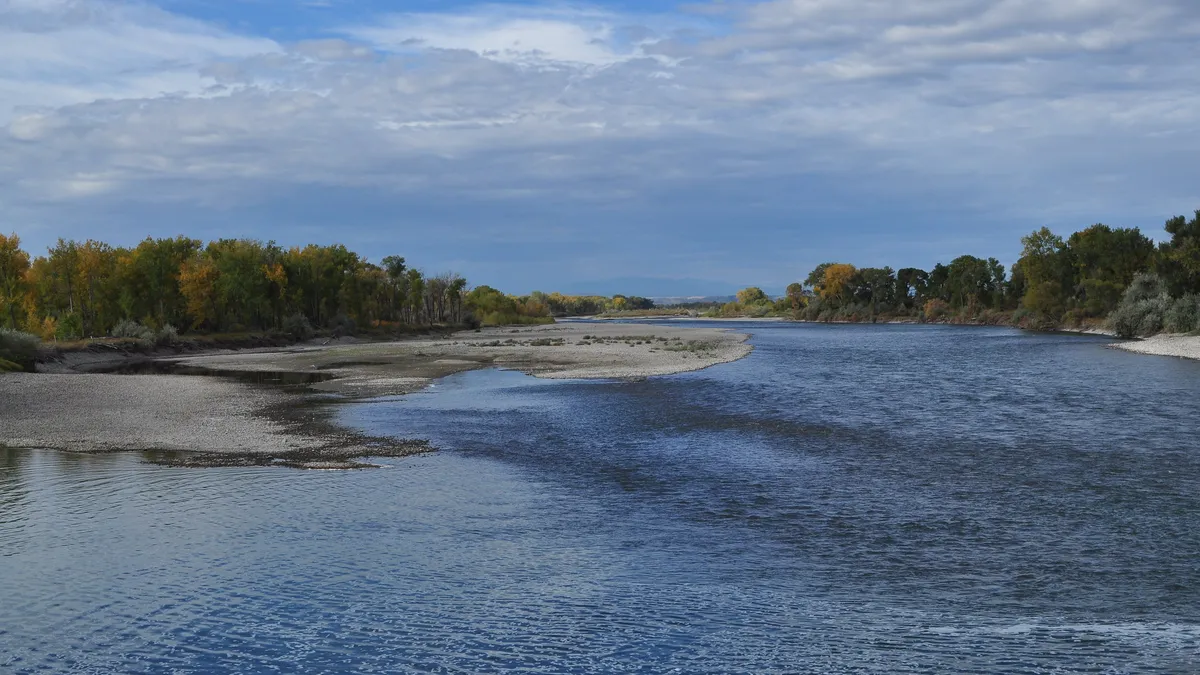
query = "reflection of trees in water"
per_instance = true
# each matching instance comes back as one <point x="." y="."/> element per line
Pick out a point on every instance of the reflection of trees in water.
<point x="14" y="499"/>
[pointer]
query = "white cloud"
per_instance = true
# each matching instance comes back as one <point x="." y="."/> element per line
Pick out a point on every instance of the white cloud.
<point x="1047" y="108"/>
<point x="55" y="53"/>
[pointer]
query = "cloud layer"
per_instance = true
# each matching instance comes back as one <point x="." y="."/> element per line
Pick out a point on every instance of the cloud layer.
<point x="870" y="129"/>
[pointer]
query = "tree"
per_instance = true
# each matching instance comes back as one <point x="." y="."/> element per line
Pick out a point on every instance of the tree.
<point x="816" y="278"/>
<point x="99" y="290"/>
<point x="836" y="281"/>
<point x="455" y="293"/>
<point x="752" y="296"/>
<point x="911" y="286"/>
<point x="972" y="282"/>
<point x="875" y="286"/>
<point x="938" y="277"/>
<point x="1105" y="262"/>
<point x="1179" y="259"/>
<point x="14" y="268"/>
<point x="1046" y="264"/>
<point x="795" y="296"/>
<point x="149" y="280"/>
<point x="416" y="295"/>
<point x="198" y="284"/>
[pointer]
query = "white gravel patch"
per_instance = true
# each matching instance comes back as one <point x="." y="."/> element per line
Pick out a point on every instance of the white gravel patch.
<point x="1182" y="346"/>
<point x="97" y="413"/>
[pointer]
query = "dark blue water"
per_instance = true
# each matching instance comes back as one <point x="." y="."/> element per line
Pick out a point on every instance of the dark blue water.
<point x="848" y="499"/>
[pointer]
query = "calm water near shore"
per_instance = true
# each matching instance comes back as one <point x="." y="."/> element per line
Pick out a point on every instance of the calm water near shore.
<point x="899" y="499"/>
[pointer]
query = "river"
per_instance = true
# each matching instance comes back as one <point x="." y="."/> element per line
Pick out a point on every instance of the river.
<point x="847" y="499"/>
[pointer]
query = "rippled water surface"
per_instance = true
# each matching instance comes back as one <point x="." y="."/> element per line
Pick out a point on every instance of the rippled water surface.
<point x="892" y="499"/>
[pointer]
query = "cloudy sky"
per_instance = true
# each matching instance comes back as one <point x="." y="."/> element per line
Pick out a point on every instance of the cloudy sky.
<point x="600" y="146"/>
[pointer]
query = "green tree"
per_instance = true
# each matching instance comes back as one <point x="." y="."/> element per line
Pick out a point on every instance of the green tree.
<point x="876" y="286"/>
<point x="1046" y="265"/>
<point x="1179" y="258"/>
<point x="1105" y="261"/>
<point x="972" y="282"/>
<point x="911" y="285"/>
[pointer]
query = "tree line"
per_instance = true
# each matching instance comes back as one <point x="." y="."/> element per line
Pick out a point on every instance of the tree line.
<point x="92" y="289"/>
<point x="1099" y="274"/>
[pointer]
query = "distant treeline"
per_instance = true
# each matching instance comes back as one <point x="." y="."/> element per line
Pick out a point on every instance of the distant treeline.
<point x="561" y="305"/>
<point x="1100" y="274"/>
<point x="164" y="286"/>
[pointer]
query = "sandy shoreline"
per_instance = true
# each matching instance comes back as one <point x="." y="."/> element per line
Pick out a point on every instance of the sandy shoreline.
<point x="206" y="421"/>
<point x="1182" y="346"/>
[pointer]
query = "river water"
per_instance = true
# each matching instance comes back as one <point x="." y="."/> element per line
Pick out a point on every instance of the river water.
<point x="848" y="499"/>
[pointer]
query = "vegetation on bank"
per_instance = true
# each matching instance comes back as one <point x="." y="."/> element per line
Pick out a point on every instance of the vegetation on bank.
<point x="1101" y="276"/>
<point x="18" y="351"/>
<point x="164" y="288"/>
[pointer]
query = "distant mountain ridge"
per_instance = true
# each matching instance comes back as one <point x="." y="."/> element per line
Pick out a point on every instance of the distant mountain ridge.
<point x="666" y="301"/>
<point x="654" y="288"/>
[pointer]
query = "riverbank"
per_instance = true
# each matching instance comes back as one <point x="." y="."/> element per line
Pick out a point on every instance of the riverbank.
<point x="192" y="420"/>
<point x="1181" y="346"/>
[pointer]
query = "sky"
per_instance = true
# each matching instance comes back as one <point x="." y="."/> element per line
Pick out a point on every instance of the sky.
<point x="651" y="147"/>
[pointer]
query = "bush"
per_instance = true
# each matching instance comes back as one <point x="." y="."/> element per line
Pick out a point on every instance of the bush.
<point x="1144" y="308"/>
<point x="1144" y="287"/>
<point x="19" y="349"/>
<point x="133" y="330"/>
<point x="935" y="310"/>
<point x="343" y="325"/>
<point x="167" y="335"/>
<point x="1140" y="319"/>
<point x="1100" y="297"/>
<point x="1045" y="299"/>
<point x="1074" y="318"/>
<point x="1184" y="315"/>
<point x="70" y="327"/>
<point x="298" y="327"/>
<point x="507" y="319"/>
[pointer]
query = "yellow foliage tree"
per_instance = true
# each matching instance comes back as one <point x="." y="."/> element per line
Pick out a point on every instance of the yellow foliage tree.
<point x="837" y="278"/>
<point x="198" y="283"/>
<point x="14" y="266"/>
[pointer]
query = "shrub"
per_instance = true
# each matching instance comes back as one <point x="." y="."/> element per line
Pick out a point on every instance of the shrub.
<point x="1144" y="308"/>
<point x="1142" y="318"/>
<point x="1046" y="299"/>
<point x="1144" y="287"/>
<point x="18" y="349"/>
<point x="508" y="319"/>
<point x="935" y="310"/>
<point x="167" y="335"/>
<point x="48" y="328"/>
<point x="1100" y="297"/>
<point x="1074" y="317"/>
<point x="757" y="311"/>
<point x="133" y="330"/>
<point x="343" y="325"/>
<point x="298" y="327"/>
<point x="1184" y="315"/>
<point x="70" y="327"/>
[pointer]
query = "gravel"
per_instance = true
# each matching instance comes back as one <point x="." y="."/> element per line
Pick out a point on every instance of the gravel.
<point x="1183" y="346"/>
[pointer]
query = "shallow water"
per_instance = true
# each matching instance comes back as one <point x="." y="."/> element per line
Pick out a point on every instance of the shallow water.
<point x="847" y="499"/>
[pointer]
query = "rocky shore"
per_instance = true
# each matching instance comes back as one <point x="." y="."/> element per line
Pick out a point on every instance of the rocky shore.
<point x="274" y="406"/>
<point x="1182" y="346"/>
